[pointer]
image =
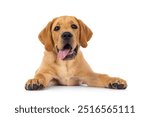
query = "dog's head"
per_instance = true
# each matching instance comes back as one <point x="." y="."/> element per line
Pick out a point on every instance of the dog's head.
<point x="64" y="35"/>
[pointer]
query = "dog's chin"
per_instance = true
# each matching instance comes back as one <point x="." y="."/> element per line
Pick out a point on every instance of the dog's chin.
<point x="67" y="52"/>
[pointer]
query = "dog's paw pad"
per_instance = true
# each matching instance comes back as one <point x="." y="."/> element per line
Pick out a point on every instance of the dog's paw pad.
<point x="117" y="83"/>
<point x="117" y="86"/>
<point x="32" y="85"/>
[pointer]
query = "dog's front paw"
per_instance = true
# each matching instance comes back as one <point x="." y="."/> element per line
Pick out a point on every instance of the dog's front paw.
<point x="34" y="84"/>
<point x="117" y="83"/>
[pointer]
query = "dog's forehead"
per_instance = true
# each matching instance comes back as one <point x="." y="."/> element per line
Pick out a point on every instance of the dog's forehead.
<point x="65" y="20"/>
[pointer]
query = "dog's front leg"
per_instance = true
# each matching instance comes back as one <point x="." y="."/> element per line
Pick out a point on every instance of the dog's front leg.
<point x="103" y="80"/>
<point x="40" y="81"/>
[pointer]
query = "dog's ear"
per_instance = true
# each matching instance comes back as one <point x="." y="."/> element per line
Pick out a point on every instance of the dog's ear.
<point x="85" y="34"/>
<point x="45" y="37"/>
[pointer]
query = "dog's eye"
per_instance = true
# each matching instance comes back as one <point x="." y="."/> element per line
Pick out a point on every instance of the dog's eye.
<point x="56" y="28"/>
<point x="74" y="26"/>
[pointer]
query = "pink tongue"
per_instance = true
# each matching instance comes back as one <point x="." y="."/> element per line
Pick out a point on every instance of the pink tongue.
<point x="63" y="53"/>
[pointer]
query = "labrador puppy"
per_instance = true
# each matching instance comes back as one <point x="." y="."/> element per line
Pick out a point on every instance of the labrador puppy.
<point x="63" y="62"/>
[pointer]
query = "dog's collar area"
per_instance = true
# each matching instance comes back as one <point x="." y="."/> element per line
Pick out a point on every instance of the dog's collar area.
<point x="67" y="52"/>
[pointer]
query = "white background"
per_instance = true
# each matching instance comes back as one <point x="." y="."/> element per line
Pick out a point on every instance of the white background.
<point x="120" y="47"/>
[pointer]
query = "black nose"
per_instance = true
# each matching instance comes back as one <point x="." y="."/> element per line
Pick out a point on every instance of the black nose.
<point x="66" y="35"/>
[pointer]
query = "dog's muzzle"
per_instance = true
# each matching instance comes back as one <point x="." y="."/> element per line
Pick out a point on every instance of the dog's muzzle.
<point x="66" y="36"/>
<point x="67" y="52"/>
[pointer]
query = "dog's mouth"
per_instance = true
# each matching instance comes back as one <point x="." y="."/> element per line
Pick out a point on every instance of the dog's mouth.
<point x="67" y="52"/>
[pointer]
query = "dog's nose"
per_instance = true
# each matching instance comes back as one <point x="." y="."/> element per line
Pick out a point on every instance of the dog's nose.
<point x="66" y="35"/>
